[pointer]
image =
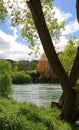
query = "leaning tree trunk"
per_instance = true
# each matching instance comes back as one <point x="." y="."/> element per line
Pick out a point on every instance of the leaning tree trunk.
<point x="69" y="94"/>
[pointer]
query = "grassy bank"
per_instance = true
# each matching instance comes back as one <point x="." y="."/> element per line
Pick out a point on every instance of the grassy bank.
<point x="25" y="116"/>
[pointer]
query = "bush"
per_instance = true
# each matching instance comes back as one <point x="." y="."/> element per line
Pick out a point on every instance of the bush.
<point x="5" y="78"/>
<point x="21" y="78"/>
<point x="5" y="86"/>
<point x="28" y="78"/>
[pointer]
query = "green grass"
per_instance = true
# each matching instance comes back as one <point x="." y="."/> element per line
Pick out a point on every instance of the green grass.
<point x="26" y="116"/>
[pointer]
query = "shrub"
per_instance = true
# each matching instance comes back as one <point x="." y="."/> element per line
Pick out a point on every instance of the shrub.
<point x="21" y="78"/>
<point x="5" y="78"/>
<point x="28" y="78"/>
<point x="5" y="86"/>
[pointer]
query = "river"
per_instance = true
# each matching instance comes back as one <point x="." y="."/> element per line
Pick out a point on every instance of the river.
<point x="39" y="94"/>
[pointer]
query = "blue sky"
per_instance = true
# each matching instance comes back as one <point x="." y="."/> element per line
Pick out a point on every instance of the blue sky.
<point x="66" y="5"/>
<point x="6" y="27"/>
<point x="13" y="46"/>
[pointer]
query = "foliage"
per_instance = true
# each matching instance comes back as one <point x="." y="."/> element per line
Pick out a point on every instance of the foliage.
<point x="25" y="116"/>
<point x="15" y="69"/>
<point x="21" y="78"/>
<point x="68" y="55"/>
<point x="3" y="11"/>
<point x="32" y="71"/>
<point x="24" y="66"/>
<point x="43" y="67"/>
<point x="20" y="15"/>
<point x="28" y="78"/>
<point x="5" y="78"/>
<point x="46" y="72"/>
<point x="28" y="70"/>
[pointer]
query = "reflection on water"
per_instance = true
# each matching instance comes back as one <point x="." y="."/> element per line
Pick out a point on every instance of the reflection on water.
<point x="40" y="94"/>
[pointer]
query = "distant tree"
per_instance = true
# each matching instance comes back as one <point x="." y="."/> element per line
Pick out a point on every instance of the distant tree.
<point x="68" y="55"/>
<point x="24" y="65"/>
<point x="5" y="78"/>
<point x="15" y="69"/>
<point x="44" y="68"/>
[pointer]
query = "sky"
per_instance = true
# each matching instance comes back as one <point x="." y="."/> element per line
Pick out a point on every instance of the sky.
<point x="13" y="46"/>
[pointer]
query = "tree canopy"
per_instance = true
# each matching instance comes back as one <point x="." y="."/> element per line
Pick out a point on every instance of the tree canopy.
<point x="21" y="18"/>
<point x="69" y="53"/>
<point x="3" y="11"/>
<point x="43" y="67"/>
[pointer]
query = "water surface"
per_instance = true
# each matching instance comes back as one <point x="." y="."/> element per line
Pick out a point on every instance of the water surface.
<point x="39" y="94"/>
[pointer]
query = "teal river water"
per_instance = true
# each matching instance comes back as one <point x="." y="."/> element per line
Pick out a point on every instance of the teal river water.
<point x="39" y="94"/>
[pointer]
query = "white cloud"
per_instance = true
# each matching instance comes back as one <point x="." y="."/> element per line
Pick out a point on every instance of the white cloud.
<point x="71" y="28"/>
<point x="61" y="15"/>
<point x="10" y="49"/>
<point x="61" y="45"/>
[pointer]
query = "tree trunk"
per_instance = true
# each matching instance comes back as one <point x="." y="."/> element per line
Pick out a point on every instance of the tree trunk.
<point x="74" y="74"/>
<point x="77" y="9"/>
<point x="69" y="94"/>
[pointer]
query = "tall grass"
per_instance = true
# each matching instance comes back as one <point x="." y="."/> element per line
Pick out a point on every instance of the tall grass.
<point x="25" y="116"/>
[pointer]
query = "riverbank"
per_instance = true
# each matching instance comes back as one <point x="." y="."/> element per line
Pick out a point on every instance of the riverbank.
<point x="26" y="116"/>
